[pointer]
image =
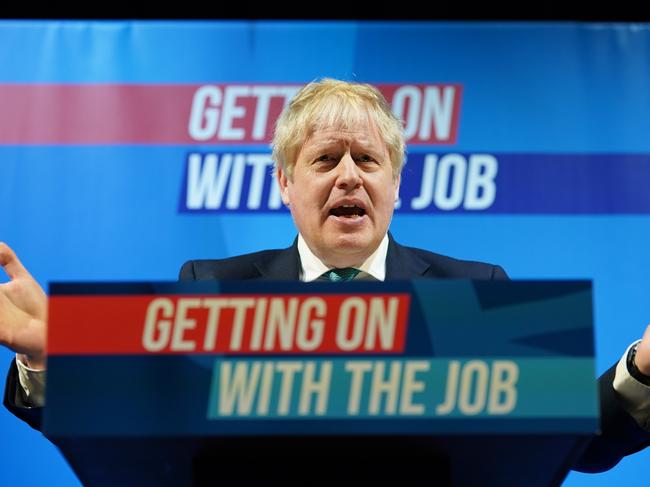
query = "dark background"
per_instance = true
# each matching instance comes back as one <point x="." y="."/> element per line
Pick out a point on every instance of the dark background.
<point x="569" y="10"/>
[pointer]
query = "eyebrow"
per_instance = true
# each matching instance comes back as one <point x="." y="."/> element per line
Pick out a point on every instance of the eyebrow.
<point x="322" y="144"/>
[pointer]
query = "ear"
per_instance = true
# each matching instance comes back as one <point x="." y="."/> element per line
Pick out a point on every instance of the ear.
<point x="397" y="182"/>
<point x="283" y="182"/>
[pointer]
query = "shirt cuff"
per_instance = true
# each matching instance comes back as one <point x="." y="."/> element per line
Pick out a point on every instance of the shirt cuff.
<point x="634" y="395"/>
<point x="32" y="386"/>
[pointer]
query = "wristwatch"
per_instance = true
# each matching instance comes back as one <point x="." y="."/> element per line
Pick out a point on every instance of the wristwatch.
<point x="632" y="368"/>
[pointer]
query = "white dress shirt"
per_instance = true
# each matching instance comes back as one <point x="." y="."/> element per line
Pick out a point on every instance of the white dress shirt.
<point x="374" y="267"/>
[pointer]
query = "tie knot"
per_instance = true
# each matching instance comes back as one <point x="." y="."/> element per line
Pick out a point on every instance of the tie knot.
<point x="340" y="275"/>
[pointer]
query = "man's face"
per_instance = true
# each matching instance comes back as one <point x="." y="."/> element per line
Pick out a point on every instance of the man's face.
<point x="342" y="193"/>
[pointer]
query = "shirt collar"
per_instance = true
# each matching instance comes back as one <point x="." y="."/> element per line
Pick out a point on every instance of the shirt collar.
<point x="311" y="267"/>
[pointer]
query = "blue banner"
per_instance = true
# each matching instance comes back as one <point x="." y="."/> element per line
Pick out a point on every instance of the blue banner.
<point x="128" y="148"/>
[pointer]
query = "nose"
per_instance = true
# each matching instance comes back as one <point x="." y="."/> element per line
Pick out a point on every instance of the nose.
<point x="348" y="176"/>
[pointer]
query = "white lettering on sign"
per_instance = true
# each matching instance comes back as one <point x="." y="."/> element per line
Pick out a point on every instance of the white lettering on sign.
<point x="391" y="384"/>
<point x="236" y="112"/>
<point x="280" y="387"/>
<point x="359" y="323"/>
<point x="426" y="111"/>
<point x="476" y="386"/>
<point x="246" y="113"/>
<point x="211" y="177"/>
<point x="454" y="180"/>
<point x="269" y="324"/>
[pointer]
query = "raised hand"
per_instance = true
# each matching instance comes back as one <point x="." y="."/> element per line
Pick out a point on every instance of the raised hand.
<point x="642" y="359"/>
<point x="23" y="311"/>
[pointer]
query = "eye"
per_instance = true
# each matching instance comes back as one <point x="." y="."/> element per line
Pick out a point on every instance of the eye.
<point x="365" y="158"/>
<point x="327" y="161"/>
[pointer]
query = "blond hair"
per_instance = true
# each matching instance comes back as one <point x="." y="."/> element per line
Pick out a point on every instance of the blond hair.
<point x="334" y="103"/>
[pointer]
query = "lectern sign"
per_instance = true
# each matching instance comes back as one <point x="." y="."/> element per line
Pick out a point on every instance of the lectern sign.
<point x="407" y="357"/>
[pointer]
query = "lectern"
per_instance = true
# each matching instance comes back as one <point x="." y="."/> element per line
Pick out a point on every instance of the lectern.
<point x="422" y="382"/>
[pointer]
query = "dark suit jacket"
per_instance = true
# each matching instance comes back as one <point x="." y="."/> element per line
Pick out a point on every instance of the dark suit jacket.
<point x="284" y="264"/>
<point x="620" y="434"/>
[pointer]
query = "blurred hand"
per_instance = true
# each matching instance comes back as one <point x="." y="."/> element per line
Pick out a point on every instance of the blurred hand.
<point x="642" y="358"/>
<point x="23" y="311"/>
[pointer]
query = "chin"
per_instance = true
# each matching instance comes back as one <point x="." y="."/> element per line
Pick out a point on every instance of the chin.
<point x="349" y="250"/>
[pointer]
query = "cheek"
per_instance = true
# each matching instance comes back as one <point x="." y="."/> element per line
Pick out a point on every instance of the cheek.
<point x="316" y="194"/>
<point x="303" y="207"/>
<point x="310" y="195"/>
<point x="382" y="193"/>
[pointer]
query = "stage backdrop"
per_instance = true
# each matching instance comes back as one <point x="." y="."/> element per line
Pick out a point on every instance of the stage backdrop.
<point x="127" y="148"/>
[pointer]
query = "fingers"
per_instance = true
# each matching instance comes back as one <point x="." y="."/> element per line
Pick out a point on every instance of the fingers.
<point x="12" y="318"/>
<point x="645" y="339"/>
<point x="23" y="334"/>
<point x="10" y="263"/>
<point x="642" y="359"/>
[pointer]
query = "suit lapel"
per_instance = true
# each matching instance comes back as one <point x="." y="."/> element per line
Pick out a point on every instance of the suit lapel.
<point x="283" y="265"/>
<point x="402" y="263"/>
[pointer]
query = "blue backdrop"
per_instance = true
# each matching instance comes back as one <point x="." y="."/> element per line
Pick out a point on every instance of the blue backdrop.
<point x="528" y="147"/>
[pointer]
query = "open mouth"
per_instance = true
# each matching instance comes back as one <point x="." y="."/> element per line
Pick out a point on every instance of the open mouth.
<point x="348" y="211"/>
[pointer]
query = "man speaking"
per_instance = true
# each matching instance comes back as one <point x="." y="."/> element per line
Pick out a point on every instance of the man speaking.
<point x="339" y="152"/>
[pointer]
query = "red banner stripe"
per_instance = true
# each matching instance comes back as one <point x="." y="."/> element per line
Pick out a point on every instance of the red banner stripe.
<point x="235" y="324"/>
<point x="223" y="114"/>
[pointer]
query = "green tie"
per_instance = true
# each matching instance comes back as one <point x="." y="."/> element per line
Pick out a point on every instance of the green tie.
<point x="340" y="275"/>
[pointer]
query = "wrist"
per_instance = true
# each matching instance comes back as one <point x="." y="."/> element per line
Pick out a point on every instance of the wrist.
<point x="632" y="366"/>
<point x="32" y="362"/>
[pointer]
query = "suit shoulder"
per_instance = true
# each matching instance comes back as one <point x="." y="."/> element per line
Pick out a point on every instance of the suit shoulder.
<point x="237" y="267"/>
<point x="450" y="267"/>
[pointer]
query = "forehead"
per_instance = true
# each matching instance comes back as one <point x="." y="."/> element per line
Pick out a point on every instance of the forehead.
<point x="363" y="134"/>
